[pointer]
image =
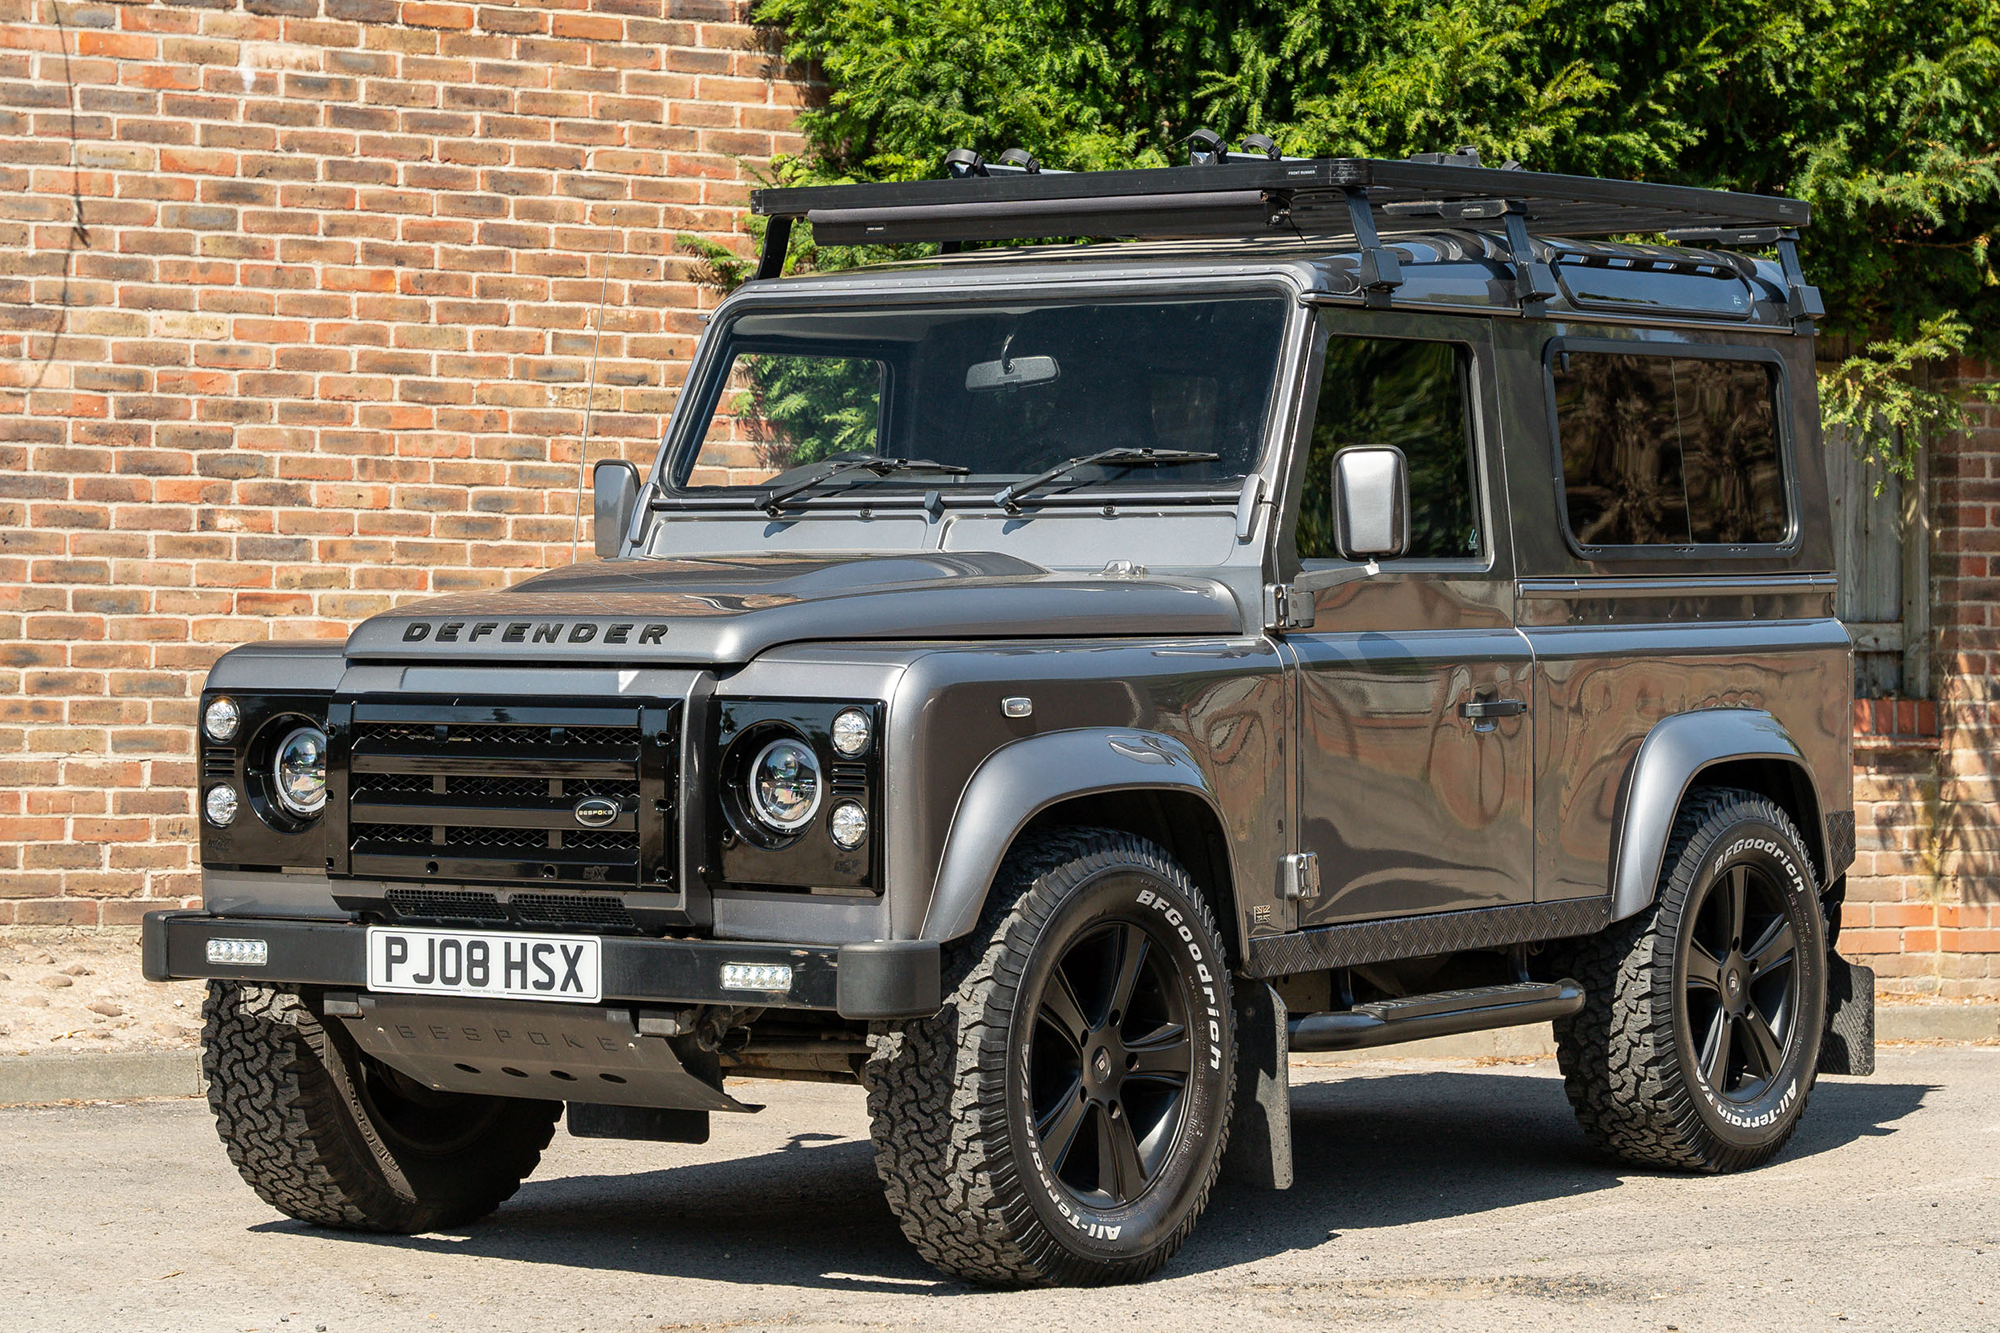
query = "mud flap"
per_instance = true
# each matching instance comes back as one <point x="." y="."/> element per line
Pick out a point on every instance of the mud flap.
<point x="1849" y="1044"/>
<point x="1260" y="1135"/>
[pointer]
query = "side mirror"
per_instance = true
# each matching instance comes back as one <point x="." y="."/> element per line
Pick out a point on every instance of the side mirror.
<point x="614" y="496"/>
<point x="1371" y="502"/>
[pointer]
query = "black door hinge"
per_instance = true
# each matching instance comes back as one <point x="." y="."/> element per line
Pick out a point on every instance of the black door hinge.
<point x="1286" y="607"/>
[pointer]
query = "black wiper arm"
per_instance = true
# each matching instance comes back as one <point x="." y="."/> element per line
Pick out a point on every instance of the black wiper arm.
<point x="835" y="467"/>
<point x="1009" y="499"/>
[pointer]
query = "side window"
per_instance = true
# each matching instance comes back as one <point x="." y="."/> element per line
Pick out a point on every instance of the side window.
<point x="1412" y="395"/>
<point x="1669" y="450"/>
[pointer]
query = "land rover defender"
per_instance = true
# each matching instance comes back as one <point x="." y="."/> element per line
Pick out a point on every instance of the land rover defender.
<point x="1047" y="681"/>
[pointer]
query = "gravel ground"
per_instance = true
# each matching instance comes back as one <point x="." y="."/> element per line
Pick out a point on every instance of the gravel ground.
<point x="73" y="991"/>
<point x="1432" y="1195"/>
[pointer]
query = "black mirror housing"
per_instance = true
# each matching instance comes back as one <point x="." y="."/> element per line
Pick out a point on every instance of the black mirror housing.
<point x="1371" y="502"/>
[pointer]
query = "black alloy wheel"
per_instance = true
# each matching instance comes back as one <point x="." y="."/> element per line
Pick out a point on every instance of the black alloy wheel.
<point x="1108" y="1065"/>
<point x="1700" y="1030"/>
<point x="1742" y="983"/>
<point x="1062" y="1118"/>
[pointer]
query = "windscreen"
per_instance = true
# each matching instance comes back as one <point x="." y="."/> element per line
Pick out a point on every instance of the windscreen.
<point x="1003" y="392"/>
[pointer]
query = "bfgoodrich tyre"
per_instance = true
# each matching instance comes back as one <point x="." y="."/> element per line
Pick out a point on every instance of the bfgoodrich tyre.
<point x="325" y="1134"/>
<point x="1698" y="1040"/>
<point x="1062" y="1119"/>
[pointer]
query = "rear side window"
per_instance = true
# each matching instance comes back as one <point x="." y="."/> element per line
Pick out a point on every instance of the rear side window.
<point x="1670" y="450"/>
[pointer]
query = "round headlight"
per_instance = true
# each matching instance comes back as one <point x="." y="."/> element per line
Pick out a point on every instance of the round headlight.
<point x="852" y="731"/>
<point x="848" y="825"/>
<point x="220" y="805"/>
<point x="221" y="718"/>
<point x="785" y="785"/>
<point x="298" y="771"/>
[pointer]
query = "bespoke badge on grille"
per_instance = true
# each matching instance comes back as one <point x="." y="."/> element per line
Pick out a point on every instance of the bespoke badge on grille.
<point x="595" y="811"/>
<point x="499" y="966"/>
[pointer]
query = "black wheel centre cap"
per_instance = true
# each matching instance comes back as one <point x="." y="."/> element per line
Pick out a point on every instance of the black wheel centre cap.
<point x="1735" y="983"/>
<point x="1104" y="1071"/>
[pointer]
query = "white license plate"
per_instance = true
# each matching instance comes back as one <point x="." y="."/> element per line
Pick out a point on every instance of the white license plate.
<point x="500" y="967"/>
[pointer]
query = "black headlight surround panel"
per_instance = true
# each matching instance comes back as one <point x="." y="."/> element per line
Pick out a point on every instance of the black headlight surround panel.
<point x="746" y="852"/>
<point x="264" y="835"/>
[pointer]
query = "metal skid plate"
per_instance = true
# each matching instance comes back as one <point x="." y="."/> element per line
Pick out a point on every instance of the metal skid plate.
<point x="557" y="1052"/>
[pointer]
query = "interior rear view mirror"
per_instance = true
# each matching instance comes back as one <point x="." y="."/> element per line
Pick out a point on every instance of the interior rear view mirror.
<point x="1010" y="374"/>
<point x="614" y="497"/>
<point x="1371" y="502"/>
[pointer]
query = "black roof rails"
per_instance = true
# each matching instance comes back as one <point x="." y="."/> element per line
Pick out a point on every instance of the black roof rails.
<point x="1244" y="195"/>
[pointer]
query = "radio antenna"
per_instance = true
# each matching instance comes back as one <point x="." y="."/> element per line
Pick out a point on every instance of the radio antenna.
<point x="589" y="406"/>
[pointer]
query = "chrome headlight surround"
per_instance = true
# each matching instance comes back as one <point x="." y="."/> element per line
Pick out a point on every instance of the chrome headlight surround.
<point x="785" y="785"/>
<point x="298" y="771"/>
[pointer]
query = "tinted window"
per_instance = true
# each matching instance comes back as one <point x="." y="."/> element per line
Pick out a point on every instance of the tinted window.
<point x="1669" y="451"/>
<point x="1411" y="395"/>
<point x="1001" y="390"/>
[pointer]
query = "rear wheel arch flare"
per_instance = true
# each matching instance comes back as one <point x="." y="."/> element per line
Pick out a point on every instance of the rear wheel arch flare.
<point x="1739" y="747"/>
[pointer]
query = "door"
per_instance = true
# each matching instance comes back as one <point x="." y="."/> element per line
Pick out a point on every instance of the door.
<point x="1414" y="688"/>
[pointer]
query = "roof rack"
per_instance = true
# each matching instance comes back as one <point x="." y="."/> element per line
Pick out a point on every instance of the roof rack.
<point x="1233" y="195"/>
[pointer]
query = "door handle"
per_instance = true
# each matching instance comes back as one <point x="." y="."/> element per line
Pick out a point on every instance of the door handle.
<point x="1483" y="709"/>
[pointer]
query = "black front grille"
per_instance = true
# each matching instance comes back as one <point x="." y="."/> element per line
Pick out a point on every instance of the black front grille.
<point x="491" y="793"/>
<point x="453" y="906"/>
<point x="569" y="909"/>
<point x="463" y="907"/>
<point x="490" y="733"/>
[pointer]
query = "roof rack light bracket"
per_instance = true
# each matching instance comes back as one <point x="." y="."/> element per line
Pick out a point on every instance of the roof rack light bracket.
<point x="1803" y="302"/>
<point x="1381" y="273"/>
<point x="777" y="240"/>
<point x="1534" y="281"/>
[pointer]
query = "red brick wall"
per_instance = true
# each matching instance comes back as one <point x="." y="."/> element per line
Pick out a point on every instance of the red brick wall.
<point x="1924" y="897"/>
<point x="296" y="303"/>
<point x="296" y="300"/>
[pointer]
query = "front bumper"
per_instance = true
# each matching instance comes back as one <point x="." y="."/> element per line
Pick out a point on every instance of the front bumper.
<point x="881" y="979"/>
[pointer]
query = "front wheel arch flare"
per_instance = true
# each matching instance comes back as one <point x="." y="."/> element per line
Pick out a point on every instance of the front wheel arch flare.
<point x="1020" y="781"/>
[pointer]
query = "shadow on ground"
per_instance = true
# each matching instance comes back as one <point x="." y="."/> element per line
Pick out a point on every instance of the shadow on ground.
<point x="1373" y="1152"/>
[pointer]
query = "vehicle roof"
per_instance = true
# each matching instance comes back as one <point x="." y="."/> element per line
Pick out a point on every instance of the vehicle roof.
<point x="1466" y="270"/>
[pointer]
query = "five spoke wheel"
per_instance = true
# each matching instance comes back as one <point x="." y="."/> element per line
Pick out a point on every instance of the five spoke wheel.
<point x="1742" y="983"/>
<point x="1109" y="1062"/>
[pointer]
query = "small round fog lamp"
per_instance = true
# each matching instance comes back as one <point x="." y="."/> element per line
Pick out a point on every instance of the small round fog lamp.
<point x="220" y="805"/>
<point x="848" y="825"/>
<point x="852" y="731"/>
<point x="221" y="718"/>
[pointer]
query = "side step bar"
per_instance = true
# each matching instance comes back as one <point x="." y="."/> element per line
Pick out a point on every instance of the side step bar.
<point x="1413" y="1017"/>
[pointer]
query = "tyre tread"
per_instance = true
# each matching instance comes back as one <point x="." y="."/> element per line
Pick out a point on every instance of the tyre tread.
<point x="1621" y="1071"/>
<point x="936" y="1086"/>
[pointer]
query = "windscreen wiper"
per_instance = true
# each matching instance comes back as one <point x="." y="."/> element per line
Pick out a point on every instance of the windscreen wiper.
<point x="1009" y="499"/>
<point x="834" y="467"/>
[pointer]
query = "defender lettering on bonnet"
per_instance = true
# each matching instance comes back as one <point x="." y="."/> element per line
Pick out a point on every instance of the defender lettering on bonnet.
<point x="1445" y="543"/>
<point x="586" y="631"/>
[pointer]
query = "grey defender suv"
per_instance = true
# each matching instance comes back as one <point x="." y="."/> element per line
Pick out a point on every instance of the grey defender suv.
<point x="1045" y="684"/>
